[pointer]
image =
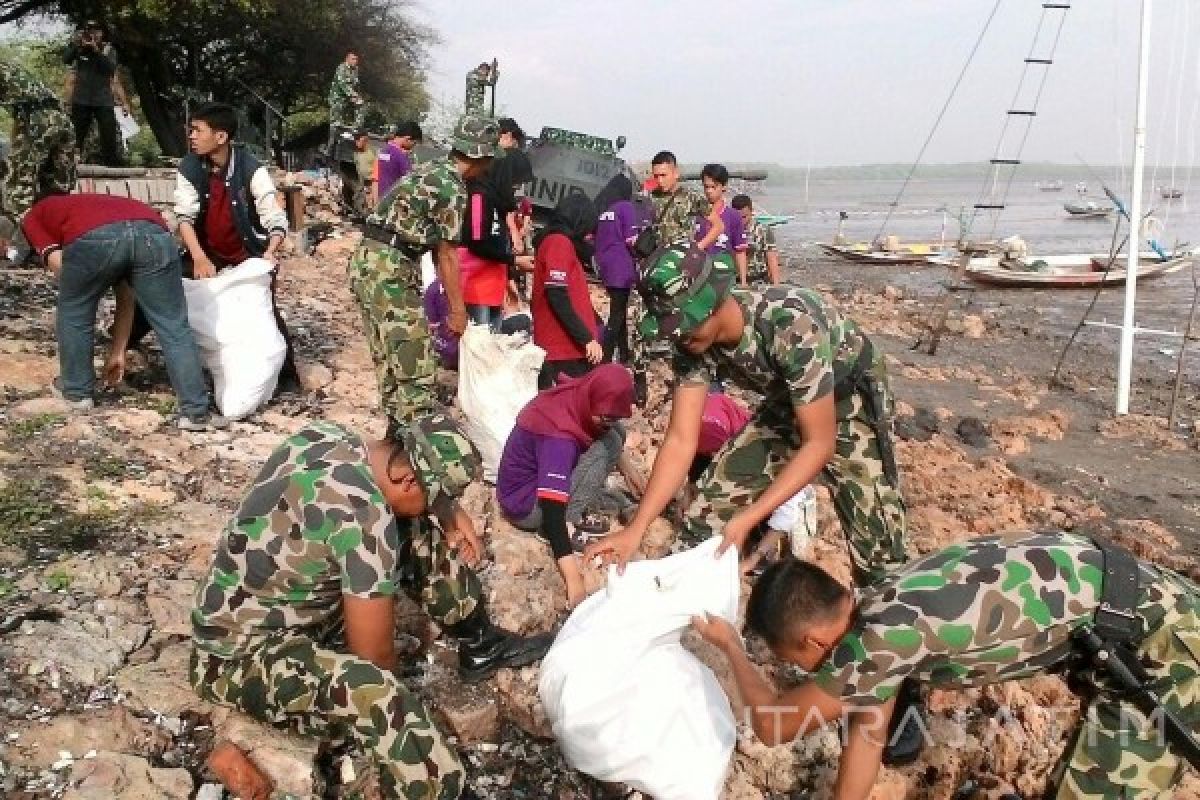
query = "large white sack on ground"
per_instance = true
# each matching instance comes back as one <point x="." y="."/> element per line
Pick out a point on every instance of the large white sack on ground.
<point x="628" y="703"/>
<point x="233" y="322"/>
<point x="497" y="376"/>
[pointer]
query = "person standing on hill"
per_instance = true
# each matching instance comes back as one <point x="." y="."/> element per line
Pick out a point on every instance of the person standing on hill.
<point x="478" y="80"/>
<point x="94" y="76"/>
<point x="345" y="102"/>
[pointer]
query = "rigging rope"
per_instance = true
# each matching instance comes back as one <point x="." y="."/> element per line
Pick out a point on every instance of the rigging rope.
<point x="938" y="121"/>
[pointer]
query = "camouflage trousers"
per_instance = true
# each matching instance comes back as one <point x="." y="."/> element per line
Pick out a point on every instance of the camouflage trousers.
<point x="1119" y="751"/>
<point x="303" y="683"/>
<point x="387" y="285"/>
<point x="346" y="114"/>
<point x="868" y="502"/>
<point x="42" y="160"/>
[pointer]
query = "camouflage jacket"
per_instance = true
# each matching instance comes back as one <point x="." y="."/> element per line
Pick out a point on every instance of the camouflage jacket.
<point x="679" y="220"/>
<point x="986" y="610"/>
<point x="312" y="528"/>
<point x="793" y="343"/>
<point x="762" y="239"/>
<point x="18" y="86"/>
<point x="476" y="94"/>
<point x="426" y="206"/>
<point x="344" y="86"/>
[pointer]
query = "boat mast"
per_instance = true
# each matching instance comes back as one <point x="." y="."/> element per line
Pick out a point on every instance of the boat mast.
<point x="1125" y="360"/>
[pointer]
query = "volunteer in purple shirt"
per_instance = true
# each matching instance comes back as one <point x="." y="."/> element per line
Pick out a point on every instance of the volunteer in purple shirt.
<point x="437" y="311"/>
<point x="395" y="159"/>
<point x="733" y="238"/>
<point x="558" y="457"/>
<point x="615" y="232"/>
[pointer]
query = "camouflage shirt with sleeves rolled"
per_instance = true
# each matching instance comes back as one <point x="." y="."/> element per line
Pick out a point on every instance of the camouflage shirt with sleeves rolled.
<point x="313" y="527"/>
<point x="426" y="206"/>
<point x="986" y="610"/>
<point x="676" y="221"/>
<point x="762" y="240"/>
<point x="793" y="342"/>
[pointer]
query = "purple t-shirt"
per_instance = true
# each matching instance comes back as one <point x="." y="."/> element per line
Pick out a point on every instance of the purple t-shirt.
<point x="394" y="164"/>
<point x="534" y="467"/>
<point x="614" y="261"/>
<point x="437" y="311"/>
<point x="733" y="239"/>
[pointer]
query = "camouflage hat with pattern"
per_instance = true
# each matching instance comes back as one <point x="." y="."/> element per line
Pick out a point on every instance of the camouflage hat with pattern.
<point x="444" y="459"/>
<point x="682" y="286"/>
<point x="475" y="136"/>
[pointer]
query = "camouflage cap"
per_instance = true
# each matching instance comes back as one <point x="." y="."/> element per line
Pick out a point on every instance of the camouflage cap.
<point x="682" y="286"/>
<point x="444" y="459"/>
<point x="475" y="136"/>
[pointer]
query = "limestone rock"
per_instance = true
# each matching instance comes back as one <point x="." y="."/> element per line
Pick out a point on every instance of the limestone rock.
<point x="79" y="647"/>
<point x="113" y="729"/>
<point x="27" y="372"/>
<point x="162" y="685"/>
<point x="314" y="375"/>
<point x="170" y="604"/>
<point x="287" y="759"/>
<point x="137" y="421"/>
<point x="518" y="693"/>
<point x="110" y="775"/>
<point x="37" y="406"/>
<point x="470" y="712"/>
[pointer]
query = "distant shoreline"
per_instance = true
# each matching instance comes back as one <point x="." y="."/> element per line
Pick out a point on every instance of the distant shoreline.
<point x="1031" y="172"/>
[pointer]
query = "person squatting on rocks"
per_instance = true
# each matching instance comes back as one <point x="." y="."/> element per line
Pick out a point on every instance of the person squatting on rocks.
<point x="826" y="410"/>
<point x="564" y="323"/>
<point x="41" y="159"/>
<point x="486" y="258"/>
<point x="422" y="212"/>
<point x="983" y="611"/>
<point x="91" y="242"/>
<point x="295" y="622"/>
<point x="732" y="240"/>
<point x="616" y="230"/>
<point x="94" y="78"/>
<point x="228" y="212"/>
<point x="762" y="255"/>
<point x="557" y="460"/>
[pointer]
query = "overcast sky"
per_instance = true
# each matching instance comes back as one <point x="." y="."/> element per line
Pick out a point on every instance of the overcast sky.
<point x="846" y="82"/>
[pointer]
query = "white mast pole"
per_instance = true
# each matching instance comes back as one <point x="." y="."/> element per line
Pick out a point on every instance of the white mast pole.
<point x="1125" y="362"/>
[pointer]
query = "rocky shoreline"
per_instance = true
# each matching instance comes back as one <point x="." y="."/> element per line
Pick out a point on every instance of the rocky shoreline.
<point x="107" y="521"/>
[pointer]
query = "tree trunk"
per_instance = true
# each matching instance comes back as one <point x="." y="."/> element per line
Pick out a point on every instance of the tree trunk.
<point x="164" y="122"/>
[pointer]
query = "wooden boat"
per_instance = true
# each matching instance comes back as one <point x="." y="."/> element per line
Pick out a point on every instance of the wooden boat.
<point x="1088" y="209"/>
<point x="769" y="220"/>
<point x="865" y="252"/>
<point x="1170" y="193"/>
<point x="1049" y="186"/>
<point x="1069" y="271"/>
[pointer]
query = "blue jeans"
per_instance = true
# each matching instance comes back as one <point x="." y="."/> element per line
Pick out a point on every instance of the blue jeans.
<point x="147" y="256"/>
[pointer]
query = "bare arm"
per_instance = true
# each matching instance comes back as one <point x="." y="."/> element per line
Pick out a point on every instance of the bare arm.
<point x="445" y="256"/>
<point x="202" y="266"/>
<point x="370" y="629"/>
<point x="716" y="226"/>
<point x="773" y="267"/>
<point x="863" y="752"/>
<point x="817" y="425"/>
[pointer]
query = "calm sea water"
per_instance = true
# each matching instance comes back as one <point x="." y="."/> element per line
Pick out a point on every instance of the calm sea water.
<point x="1037" y="216"/>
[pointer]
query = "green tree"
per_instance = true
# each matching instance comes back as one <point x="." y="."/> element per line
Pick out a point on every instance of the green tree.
<point x="177" y="53"/>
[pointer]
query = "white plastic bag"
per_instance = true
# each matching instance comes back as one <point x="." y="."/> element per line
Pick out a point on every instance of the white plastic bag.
<point x="128" y="125"/>
<point x="627" y="702"/>
<point x="233" y="322"/>
<point x="497" y="376"/>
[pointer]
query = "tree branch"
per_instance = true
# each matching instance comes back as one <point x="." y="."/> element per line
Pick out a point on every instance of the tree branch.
<point x="23" y="9"/>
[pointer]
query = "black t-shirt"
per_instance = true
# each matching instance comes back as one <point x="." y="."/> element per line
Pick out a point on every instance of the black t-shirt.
<point x="93" y="74"/>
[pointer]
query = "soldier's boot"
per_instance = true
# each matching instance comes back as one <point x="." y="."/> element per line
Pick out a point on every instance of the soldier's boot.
<point x="906" y="731"/>
<point x="484" y="648"/>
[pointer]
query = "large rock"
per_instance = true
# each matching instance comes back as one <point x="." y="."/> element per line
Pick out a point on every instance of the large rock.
<point x="314" y="375"/>
<point x="287" y="759"/>
<point x="162" y="686"/>
<point x="170" y="604"/>
<point x="136" y="421"/>
<point x="80" y="648"/>
<point x="114" y="729"/>
<point x="470" y="712"/>
<point x="111" y="775"/>
<point x="518" y="693"/>
<point x="27" y="372"/>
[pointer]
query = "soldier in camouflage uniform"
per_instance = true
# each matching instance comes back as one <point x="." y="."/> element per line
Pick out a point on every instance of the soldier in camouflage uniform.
<point x="41" y="160"/>
<point x="676" y="207"/>
<point x="478" y="80"/>
<point x="423" y="211"/>
<point x="763" y="255"/>
<point x="826" y="411"/>
<point x="294" y="624"/>
<point x="345" y="103"/>
<point x="987" y="610"/>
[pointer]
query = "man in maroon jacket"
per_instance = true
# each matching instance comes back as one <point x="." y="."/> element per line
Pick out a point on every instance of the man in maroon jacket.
<point x="91" y="242"/>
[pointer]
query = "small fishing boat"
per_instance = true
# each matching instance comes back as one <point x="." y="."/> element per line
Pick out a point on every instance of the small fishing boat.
<point x="1049" y="186"/>
<point x="1170" y="193"/>
<point x="773" y="219"/>
<point x="1075" y="271"/>
<point x="1089" y="209"/>
<point x="866" y="252"/>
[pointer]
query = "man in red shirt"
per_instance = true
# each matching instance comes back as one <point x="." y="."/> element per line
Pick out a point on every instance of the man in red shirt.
<point x="91" y="242"/>
<point x="564" y="322"/>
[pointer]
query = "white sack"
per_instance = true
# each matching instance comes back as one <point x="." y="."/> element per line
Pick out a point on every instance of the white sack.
<point x="127" y="124"/>
<point x="233" y="322"/>
<point x="497" y="376"/>
<point x="627" y="702"/>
